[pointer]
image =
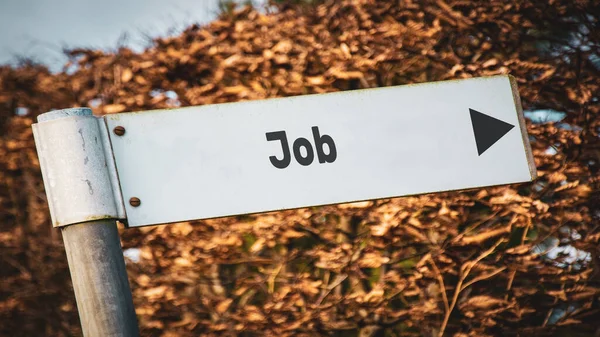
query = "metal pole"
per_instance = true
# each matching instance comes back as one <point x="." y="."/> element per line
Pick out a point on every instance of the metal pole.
<point x="75" y="162"/>
<point x="100" y="279"/>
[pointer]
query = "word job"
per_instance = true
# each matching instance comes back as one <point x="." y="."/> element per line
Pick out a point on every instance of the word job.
<point x="299" y="143"/>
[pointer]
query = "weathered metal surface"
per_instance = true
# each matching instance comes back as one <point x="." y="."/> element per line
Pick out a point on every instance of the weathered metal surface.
<point x="83" y="192"/>
<point x="227" y="159"/>
<point x="78" y="168"/>
<point x="100" y="280"/>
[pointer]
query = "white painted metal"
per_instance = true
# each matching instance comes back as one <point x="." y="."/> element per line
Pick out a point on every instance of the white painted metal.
<point x="213" y="161"/>
<point x="78" y="170"/>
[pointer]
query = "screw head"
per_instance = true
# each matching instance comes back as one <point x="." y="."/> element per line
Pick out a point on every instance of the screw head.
<point x="135" y="202"/>
<point x="119" y="130"/>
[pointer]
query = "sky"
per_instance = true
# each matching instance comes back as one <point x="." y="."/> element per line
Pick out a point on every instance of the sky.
<point x="39" y="29"/>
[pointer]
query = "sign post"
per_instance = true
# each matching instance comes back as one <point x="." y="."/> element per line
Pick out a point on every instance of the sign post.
<point x="100" y="279"/>
<point x="92" y="243"/>
<point x="219" y="160"/>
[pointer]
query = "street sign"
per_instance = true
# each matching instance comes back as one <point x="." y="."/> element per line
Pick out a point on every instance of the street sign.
<point x="239" y="158"/>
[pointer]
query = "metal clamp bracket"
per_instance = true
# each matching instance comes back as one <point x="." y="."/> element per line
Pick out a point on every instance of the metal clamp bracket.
<point x="78" y="167"/>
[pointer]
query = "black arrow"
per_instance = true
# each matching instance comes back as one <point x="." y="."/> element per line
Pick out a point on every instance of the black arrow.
<point x="488" y="130"/>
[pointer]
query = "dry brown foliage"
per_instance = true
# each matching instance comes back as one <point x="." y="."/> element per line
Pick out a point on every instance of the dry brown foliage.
<point x="452" y="264"/>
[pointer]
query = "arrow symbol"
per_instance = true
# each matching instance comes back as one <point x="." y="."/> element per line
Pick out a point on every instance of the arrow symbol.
<point x="488" y="130"/>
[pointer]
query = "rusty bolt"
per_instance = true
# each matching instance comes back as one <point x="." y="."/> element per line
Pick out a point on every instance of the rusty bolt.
<point x="119" y="130"/>
<point x="135" y="202"/>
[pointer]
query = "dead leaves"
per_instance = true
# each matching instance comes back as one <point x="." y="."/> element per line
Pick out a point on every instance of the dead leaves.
<point x="114" y="108"/>
<point x="453" y="263"/>
<point x="482" y="302"/>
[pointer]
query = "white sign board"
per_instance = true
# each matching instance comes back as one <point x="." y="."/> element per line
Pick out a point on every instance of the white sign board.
<point x="239" y="158"/>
